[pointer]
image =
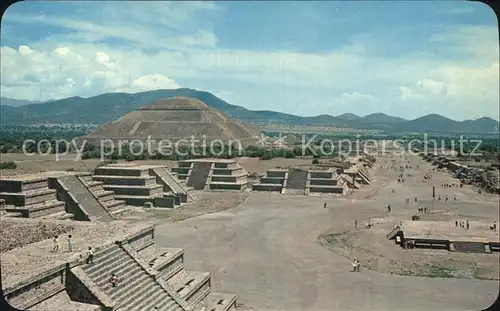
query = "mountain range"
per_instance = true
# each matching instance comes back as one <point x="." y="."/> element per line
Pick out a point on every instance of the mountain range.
<point x="108" y="107"/>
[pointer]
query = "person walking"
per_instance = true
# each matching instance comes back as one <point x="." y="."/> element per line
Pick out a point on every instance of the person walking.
<point x="355" y="223"/>
<point x="90" y="256"/>
<point x="70" y="244"/>
<point x="56" y="244"/>
<point x="114" y="280"/>
<point x="467" y="225"/>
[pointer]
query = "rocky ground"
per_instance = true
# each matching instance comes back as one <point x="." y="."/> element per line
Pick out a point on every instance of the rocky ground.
<point x="15" y="233"/>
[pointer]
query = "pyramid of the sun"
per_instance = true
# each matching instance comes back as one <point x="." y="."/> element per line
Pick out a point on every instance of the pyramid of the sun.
<point x="175" y="119"/>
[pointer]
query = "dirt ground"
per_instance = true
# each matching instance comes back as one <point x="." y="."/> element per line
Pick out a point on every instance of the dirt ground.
<point x="205" y="203"/>
<point x="285" y="252"/>
<point x="371" y="247"/>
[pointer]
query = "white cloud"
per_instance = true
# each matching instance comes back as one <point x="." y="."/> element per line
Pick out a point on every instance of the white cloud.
<point x="173" y="44"/>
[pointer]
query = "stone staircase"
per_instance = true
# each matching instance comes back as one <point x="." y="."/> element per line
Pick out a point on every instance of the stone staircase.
<point x="228" y="175"/>
<point x="105" y="197"/>
<point x="392" y="235"/>
<point x="296" y="181"/>
<point x="193" y="287"/>
<point x="199" y="174"/>
<point x="138" y="184"/>
<point x="274" y="180"/>
<point x="31" y="198"/>
<point x="172" y="183"/>
<point x="364" y="177"/>
<point x="137" y="289"/>
<point x="83" y="196"/>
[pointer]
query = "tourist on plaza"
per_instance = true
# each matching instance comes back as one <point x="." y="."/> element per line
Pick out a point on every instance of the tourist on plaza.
<point x="355" y="223"/>
<point x="494" y="227"/>
<point x="446" y="198"/>
<point x="389" y="208"/>
<point x="56" y="244"/>
<point x="454" y="198"/>
<point x="324" y="205"/>
<point x="355" y="265"/>
<point x="90" y="256"/>
<point x="70" y="244"/>
<point x="456" y="223"/>
<point x="467" y="224"/>
<point x="113" y="280"/>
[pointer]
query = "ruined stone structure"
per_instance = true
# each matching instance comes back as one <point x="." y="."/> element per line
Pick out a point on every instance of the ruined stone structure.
<point x="31" y="197"/>
<point x="274" y="180"/>
<point x="176" y="119"/>
<point x="212" y="174"/>
<point x="302" y="182"/>
<point x="61" y="195"/>
<point x="150" y="277"/>
<point x="418" y="232"/>
<point x="138" y="184"/>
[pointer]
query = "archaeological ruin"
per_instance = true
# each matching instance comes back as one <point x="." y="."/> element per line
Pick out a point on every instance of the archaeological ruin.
<point x="174" y="120"/>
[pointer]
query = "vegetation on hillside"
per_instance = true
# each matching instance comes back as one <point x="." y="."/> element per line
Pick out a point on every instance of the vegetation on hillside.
<point x="49" y="139"/>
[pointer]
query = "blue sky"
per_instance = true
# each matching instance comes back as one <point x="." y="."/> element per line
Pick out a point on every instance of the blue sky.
<point x="406" y="59"/>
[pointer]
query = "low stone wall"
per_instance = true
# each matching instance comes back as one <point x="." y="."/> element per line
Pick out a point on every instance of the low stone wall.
<point x="230" y="186"/>
<point x="276" y="174"/>
<point x="80" y="288"/>
<point x="316" y="174"/>
<point x="199" y="294"/>
<point x="173" y="266"/>
<point x="326" y="189"/>
<point x="184" y="164"/>
<point x="141" y="239"/>
<point x="167" y="202"/>
<point x="233" y="179"/>
<point x="117" y="171"/>
<point x="324" y="182"/>
<point x="45" y="210"/>
<point x="125" y="181"/>
<point x="36" y="289"/>
<point x="268" y="187"/>
<point x="222" y="165"/>
<point x="228" y="171"/>
<point x="11" y="186"/>
<point x="272" y="180"/>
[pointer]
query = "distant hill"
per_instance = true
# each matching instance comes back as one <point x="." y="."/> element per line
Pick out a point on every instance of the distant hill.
<point x="349" y="117"/>
<point x="17" y="102"/>
<point x="108" y="107"/>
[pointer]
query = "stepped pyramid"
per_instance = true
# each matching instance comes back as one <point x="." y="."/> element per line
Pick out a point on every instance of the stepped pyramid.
<point x="174" y="119"/>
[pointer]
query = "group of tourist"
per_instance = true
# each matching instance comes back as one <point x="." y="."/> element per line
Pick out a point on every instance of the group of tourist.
<point x="409" y="244"/>
<point x="451" y="185"/>
<point x="423" y="209"/>
<point x="463" y="224"/>
<point x="56" y="247"/>
<point x="447" y="198"/>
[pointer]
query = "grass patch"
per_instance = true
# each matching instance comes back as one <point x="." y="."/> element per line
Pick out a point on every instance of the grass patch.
<point x="8" y="165"/>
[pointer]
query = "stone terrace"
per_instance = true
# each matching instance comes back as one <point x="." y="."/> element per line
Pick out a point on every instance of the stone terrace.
<point x="18" y="264"/>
